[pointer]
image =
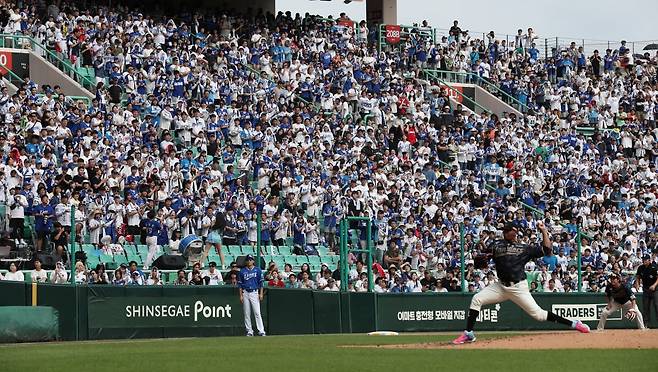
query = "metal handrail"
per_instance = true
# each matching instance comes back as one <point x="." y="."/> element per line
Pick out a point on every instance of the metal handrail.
<point x="86" y="100"/>
<point x="12" y="75"/>
<point x="67" y="66"/>
<point x="431" y="74"/>
<point x="481" y="81"/>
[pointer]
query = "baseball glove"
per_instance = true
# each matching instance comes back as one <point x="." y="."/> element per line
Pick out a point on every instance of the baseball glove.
<point x="631" y="314"/>
<point x="481" y="261"/>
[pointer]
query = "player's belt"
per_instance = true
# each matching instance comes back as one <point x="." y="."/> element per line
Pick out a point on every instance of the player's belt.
<point x="251" y="290"/>
<point x="510" y="283"/>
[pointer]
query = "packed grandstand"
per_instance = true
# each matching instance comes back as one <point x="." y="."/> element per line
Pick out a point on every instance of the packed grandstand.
<point x="225" y="125"/>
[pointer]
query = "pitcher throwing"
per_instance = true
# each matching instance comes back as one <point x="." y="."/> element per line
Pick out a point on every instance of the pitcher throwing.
<point x="510" y="258"/>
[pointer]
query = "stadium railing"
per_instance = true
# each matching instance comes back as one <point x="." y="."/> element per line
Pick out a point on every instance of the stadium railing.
<point x="472" y="78"/>
<point x="432" y="75"/>
<point x="65" y="65"/>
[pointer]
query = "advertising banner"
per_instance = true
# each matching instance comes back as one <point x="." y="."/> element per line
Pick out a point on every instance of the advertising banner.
<point x="152" y="311"/>
<point x="448" y="312"/>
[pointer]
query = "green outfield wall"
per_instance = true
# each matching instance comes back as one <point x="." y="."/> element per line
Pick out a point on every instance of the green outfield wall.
<point x="106" y="312"/>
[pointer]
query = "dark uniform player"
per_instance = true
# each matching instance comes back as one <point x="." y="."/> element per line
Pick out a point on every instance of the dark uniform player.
<point x="647" y="274"/>
<point x="620" y="296"/>
<point x="510" y="258"/>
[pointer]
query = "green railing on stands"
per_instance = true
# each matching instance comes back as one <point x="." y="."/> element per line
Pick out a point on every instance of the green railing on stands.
<point x="471" y="78"/>
<point x="86" y="100"/>
<point x="63" y="64"/>
<point x="11" y="76"/>
<point x="405" y="32"/>
<point x="432" y="75"/>
<point x="15" y="79"/>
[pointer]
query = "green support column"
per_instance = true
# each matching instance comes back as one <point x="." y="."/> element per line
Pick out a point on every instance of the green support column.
<point x="72" y="262"/>
<point x="461" y="250"/>
<point x="72" y="247"/>
<point x="258" y="231"/>
<point x="580" y="271"/>
<point x="343" y="256"/>
<point x="371" y="284"/>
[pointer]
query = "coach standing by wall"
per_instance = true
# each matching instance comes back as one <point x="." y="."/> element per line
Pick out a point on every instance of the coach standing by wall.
<point x="250" y="282"/>
<point x="648" y="275"/>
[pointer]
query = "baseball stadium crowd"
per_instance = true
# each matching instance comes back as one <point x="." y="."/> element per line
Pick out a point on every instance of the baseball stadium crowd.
<point x="203" y="121"/>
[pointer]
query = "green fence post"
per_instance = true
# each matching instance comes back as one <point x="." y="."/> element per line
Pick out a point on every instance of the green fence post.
<point x="72" y="249"/>
<point x="343" y="257"/>
<point x="371" y="284"/>
<point x="580" y="271"/>
<point x="72" y="262"/>
<point x="461" y="249"/>
<point x="258" y="231"/>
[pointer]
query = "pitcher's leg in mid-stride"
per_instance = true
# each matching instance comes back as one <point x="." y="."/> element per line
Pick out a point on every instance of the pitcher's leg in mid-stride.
<point x="520" y="295"/>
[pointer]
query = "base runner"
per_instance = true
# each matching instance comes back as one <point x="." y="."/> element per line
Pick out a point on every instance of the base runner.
<point x="510" y="258"/>
<point x="620" y="297"/>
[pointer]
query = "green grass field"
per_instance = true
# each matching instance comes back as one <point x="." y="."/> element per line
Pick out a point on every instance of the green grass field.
<point x="306" y="353"/>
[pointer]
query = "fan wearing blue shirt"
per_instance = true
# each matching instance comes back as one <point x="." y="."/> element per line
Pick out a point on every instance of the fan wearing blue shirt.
<point x="44" y="216"/>
<point x="250" y="284"/>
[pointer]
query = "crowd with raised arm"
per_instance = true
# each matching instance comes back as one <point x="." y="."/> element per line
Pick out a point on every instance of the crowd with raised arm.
<point x="202" y="122"/>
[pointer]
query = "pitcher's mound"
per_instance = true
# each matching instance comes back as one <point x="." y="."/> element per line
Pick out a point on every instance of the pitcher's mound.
<point x="608" y="339"/>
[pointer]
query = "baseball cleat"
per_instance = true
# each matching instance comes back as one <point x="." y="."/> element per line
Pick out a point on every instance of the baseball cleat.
<point x="464" y="338"/>
<point x="581" y="327"/>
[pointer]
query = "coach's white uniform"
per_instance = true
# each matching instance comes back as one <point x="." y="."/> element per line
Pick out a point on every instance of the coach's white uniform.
<point x="252" y="303"/>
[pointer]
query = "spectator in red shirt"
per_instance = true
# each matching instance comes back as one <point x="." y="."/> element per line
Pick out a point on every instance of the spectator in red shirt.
<point x="276" y="281"/>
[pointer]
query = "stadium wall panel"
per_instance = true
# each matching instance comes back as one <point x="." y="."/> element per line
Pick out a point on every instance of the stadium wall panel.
<point x="14" y="293"/>
<point x="69" y="302"/>
<point x="106" y="312"/>
<point x="290" y="311"/>
<point x="326" y="310"/>
<point x="363" y="314"/>
<point x="448" y="312"/>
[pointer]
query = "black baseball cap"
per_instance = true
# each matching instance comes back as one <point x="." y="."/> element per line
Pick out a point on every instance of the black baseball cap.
<point x="212" y="264"/>
<point x="250" y="257"/>
<point x="509" y="227"/>
<point x="646" y="257"/>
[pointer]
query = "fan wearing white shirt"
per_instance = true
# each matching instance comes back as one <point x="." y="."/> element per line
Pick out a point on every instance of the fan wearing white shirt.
<point x="213" y="275"/>
<point x="63" y="211"/>
<point x="38" y="274"/>
<point x="14" y="274"/>
<point x="133" y="214"/>
<point x="17" y="203"/>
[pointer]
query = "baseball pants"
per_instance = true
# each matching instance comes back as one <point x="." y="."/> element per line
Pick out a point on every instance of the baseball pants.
<point x="251" y="303"/>
<point x="517" y="293"/>
<point x="152" y="242"/>
<point x="649" y="299"/>
<point x="614" y="306"/>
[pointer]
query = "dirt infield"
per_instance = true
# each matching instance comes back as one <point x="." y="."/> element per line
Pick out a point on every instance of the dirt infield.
<point x="608" y="339"/>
